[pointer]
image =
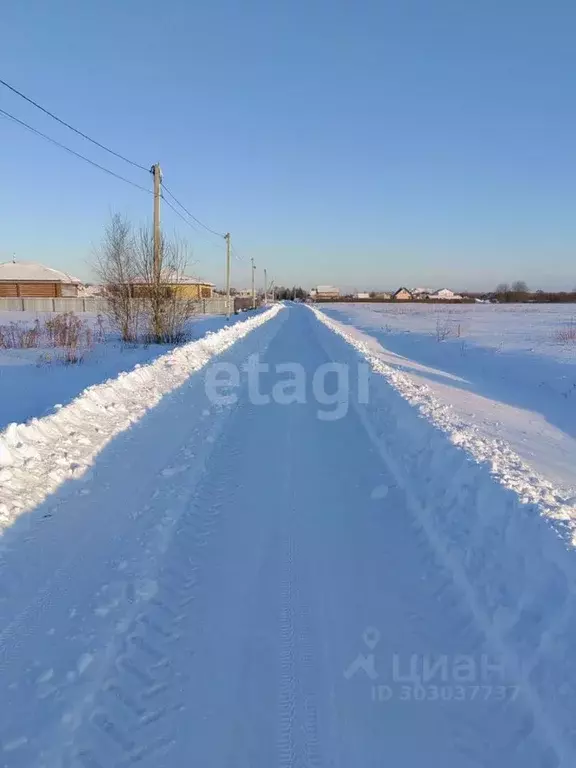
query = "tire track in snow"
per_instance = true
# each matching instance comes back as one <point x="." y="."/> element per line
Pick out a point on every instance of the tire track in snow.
<point x="311" y="756"/>
<point x="139" y="706"/>
<point x="288" y="670"/>
<point x="298" y="744"/>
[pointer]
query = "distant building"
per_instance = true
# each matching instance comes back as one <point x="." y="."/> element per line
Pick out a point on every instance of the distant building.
<point x="185" y="287"/>
<point x="325" y="293"/>
<point x="402" y="294"/>
<point x="26" y="279"/>
<point x="421" y="293"/>
<point x="445" y="295"/>
<point x="89" y="291"/>
<point x="361" y="295"/>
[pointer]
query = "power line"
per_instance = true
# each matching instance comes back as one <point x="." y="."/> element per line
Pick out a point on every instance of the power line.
<point x="237" y="256"/>
<point x="97" y="165"/>
<point x="71" y="127"/>
<point x="184" y="219"/>
<point x="207" y="228"/>
<point x="177" y="212"/>
<point x="73" y="152"/>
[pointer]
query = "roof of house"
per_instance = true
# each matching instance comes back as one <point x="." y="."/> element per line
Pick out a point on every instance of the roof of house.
<point x="402" y="289"/>
<point x="172" y="279"/>
<point x="28" y="271"/>
<point x="193" y="281"/>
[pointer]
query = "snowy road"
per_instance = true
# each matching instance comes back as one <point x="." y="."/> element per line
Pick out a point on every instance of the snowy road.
<point x="247" y="587"/>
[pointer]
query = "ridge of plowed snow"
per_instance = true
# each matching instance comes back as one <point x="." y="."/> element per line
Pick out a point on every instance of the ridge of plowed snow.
<point x="505" y="465"/>
<point x="36" y="457"/>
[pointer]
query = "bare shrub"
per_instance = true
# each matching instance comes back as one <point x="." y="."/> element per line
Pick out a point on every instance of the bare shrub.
<point x="100" y="330"/>
<point x="117" y="269"/>
<point x="66" y="332"/>
<point x="63" y="330"/>
<point x="20" y="336"/>
<point x="146" y="297"/>
<point x="447" y="326"/>
<point x="443" y="329"/>
<point x="70" y="334"/>
<point x="566" y="335"/>
<point x="163" y="287"/>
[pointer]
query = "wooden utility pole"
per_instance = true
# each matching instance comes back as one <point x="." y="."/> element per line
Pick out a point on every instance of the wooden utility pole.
<point x="227" y="238"/>
<point x="157" y="175"/>
<point x="253" y="290"/>
<point x="265" y="287"/>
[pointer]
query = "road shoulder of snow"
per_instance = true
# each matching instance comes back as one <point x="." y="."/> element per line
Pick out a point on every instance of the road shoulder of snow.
<point x="505" y="465"/>
<point x="37" y="457"/>
<point x="505" y="534"/>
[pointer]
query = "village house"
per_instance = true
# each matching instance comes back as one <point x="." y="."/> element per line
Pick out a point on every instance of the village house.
<point x="325" y="293"/>
<point x="24" y="279"/>
<point x="445" y="294"/>
<point x="185" y="287"/>
<point x="402" y="294"/>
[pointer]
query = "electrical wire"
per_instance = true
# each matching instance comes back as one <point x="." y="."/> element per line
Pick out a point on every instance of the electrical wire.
<point x="237" y="256"/>
<point x="207" y="228"/>
<point x="71" y="127"/>
<point x="73" y="152"/>
<point x="177" y="212"/>
<point x="97" y="165"/>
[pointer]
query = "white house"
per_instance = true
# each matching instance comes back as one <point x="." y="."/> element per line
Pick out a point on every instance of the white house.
<point x="445" y="294"/>
<point x="361" y="295"/>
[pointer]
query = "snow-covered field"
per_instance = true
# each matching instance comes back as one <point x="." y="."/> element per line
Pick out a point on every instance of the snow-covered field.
<point x="528" y="328"/>
<point x="501" y="370"/>
<point x="34" y="381"/>
<point x="245" y="582"/>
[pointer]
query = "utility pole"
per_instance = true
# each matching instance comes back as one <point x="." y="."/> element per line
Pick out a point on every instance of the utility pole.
<point x="253" y="290"/>
<point x="265" y="287"/>
<point x="157" y="175"/>
<point x="227" y="238"/>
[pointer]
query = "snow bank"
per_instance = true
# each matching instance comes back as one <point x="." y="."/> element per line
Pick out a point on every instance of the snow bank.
<point x="30" y="386"/>
<point x="36" y="457"/>
<point x="505" y="534"/>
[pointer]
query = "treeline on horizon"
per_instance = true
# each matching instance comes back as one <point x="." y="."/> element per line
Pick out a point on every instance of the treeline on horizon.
<point x="519" y="292"/>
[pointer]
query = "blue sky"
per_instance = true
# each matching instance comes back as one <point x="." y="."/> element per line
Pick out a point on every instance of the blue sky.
<point x="364" y="144"/>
